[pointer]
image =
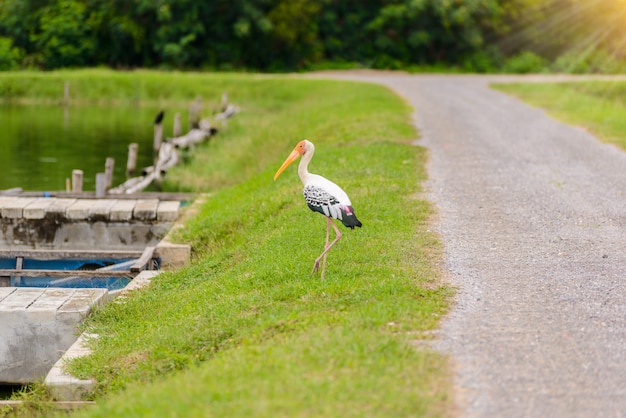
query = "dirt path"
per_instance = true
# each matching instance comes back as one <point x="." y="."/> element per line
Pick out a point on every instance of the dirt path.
<point x="533" y="219"/>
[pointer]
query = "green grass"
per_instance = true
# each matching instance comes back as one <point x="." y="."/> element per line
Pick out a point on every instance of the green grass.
<point x="245" y="330"/>
<point x="599" y="106"/>
<point x="110" y="87"/>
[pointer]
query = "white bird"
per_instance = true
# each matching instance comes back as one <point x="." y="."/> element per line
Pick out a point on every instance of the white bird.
<point x="323" y="196"/>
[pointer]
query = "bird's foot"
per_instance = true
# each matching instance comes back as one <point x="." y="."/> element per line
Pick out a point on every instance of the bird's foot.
<point x="316" y="267"/>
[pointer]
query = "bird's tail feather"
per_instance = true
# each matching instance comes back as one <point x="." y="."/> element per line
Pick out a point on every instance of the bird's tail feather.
<point x="349" y="218"/>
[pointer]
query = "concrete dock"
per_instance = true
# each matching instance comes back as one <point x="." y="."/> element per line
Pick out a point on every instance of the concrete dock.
<point x="37" y="325"/>
<point x="12" y="207"/>
<point x="64" y="223"/>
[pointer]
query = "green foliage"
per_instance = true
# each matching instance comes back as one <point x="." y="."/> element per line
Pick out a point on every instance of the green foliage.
<point x="485" y="61"/>
<point x="525" y="62"/>
<point x="10" y="56"/>
<point x="294" y="30"/>
<point x="274" y="35"/>
<point x="287" y="35"/>
<point x="63" y="37"/>
<point x="591" y="61"/>
<point x="423" y="31"/>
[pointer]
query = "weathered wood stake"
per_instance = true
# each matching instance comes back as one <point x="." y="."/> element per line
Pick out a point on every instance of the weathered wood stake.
<point x="158" y="137"/>
<point x="101" y="185"/>
<point x="66" y="93"/>
<point x="77" y="181"/>
<point x="192" y="116"/>
<point x="177" y="127"/>
<point x="224" y="101"/>
<point x="108" y="173"/>
<point x="131" y="164"/>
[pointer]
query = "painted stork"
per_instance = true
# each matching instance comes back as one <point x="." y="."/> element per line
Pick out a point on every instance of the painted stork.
<point x="323" y="196"/>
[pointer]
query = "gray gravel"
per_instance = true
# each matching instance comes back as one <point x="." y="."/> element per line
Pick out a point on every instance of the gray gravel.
<point x="533" y="220"/>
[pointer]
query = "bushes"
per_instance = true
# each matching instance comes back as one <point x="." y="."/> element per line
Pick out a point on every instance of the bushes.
<point x="597" y="61"/>
<point x="10" y="56"/>
<point x="525" y="62"/>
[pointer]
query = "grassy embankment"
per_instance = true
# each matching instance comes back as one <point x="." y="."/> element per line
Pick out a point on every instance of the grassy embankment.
<point x="599" y="106"/>
<point x="244" y="330"/>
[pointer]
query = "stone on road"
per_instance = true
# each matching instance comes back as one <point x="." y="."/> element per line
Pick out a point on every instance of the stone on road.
<point x="533" y="220"/>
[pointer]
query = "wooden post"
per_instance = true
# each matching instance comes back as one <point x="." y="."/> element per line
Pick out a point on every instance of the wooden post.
<point x="199" y="106"/>
<point x="66" y="93"/>
<point x="77" y="181"/>
<point x="177" y="129"/>
<point x="224" y="101"/>
<point x="68" y="184"/>
<point x="131" y="164"/>
<point x="158" y="137"/>
<point x="192" y="116"/>
<point x="108" y="172"/>
<point x="101" y="179"/>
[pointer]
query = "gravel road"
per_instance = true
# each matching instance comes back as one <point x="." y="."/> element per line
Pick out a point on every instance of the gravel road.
<point x="533" y="220"/>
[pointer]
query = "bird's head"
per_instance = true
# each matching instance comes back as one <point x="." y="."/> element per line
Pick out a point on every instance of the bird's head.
<point x="301" y="148"/>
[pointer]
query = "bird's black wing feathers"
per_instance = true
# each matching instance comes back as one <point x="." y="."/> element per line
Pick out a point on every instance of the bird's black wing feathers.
<point x="319" y="200"/>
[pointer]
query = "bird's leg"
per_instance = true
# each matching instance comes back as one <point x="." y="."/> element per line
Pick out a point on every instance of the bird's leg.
<point x="327" y="247"/>
<point x="316" y="266"/>
<point x="329" y="221"/>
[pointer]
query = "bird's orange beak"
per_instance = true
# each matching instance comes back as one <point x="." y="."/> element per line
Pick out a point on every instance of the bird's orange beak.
<point x="292" y="157"/>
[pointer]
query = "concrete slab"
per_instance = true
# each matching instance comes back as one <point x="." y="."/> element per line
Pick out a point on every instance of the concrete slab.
<point x="59" y="207"/>
<point x="80" y="209"/>
<point x="101" y="209"/>
<point x="15" y="208"/>
<point x="51" y="299"/>
<point x="172" y="255"/>
<point x="81" y="301"/>
<point x="63" y="386"/>
<point x="20" y="299"/>
<point x="6" y="291"/>
<point x="122" y="210"/>
<point x="167" y="211"/>
<point x="5" y="200"/>
<point x="140" y="281"/>
<point x="58" y="223"/>
<point x="36" y="326"/>
<point x="37" y="209"/>
<point x="79" y="234"/>
<point x="146" y="210"/>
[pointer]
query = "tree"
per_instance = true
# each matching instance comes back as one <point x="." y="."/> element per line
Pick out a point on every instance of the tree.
<point x="63" y="35"/>
<point x="10" y="56"/>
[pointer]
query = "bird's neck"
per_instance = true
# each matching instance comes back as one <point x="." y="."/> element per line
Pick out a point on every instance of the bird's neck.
<point x="303" y="167"/>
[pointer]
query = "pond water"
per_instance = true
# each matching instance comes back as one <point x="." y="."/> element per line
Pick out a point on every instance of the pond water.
<point x="111" y="283"/>
<point x="41" y="144"/>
